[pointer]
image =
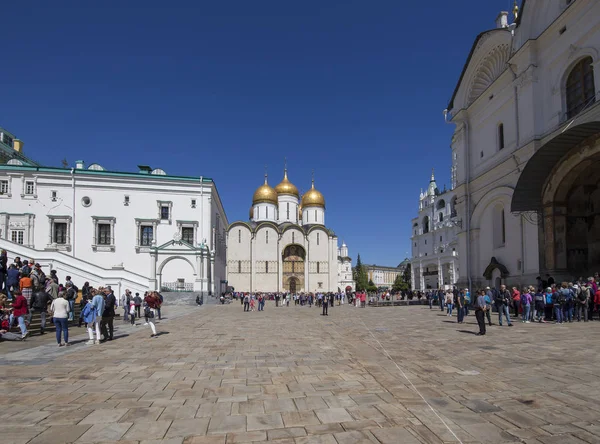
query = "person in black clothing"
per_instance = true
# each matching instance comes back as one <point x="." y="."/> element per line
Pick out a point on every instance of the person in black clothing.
<point x="480" y="309"/>
<point x="108" y="316"/>
<point x="3" y="269"/>
<point x="246" y="301"/>
<point x="325" y="306"/>
<point x="39" y="304"/>
<point x="137" y="300"/>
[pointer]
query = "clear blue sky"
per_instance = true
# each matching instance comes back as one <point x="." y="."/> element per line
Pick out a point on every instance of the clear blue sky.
<point x="352" y="89"/>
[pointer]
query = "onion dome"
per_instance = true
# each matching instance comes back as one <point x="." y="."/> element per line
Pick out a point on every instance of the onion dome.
<point x="286" y="187"/>
<point x="265" y="194"/>
<point x="251" y="213"/>
<point x="313" y="198"/>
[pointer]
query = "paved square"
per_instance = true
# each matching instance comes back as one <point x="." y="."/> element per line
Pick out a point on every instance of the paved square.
<point x="288" y="375"/>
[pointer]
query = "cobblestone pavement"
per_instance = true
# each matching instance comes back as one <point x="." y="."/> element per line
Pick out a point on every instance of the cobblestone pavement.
<point x="287" y="375"/>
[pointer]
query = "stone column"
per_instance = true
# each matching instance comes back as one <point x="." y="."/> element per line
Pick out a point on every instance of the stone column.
<point x="205" y="272"/>
<point x="440" y="274"/>
<point x="153" y="262"/>
<point x="549" y="240"/>
<point x="413" y="284"/>
<point x="280" y="266"/>
<point x="212" y="273"/>
<point x="422" y="276"/>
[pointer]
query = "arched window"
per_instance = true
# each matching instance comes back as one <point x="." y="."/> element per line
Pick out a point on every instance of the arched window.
<point x="426" y="224"/>
<point x="239" y="266"/>
<point x="580" y="87"/>
<point x="453" y="207"/>
<point x="441" y="204"/>
<point x="500" y="136"/>
<point x="441" y="217"/>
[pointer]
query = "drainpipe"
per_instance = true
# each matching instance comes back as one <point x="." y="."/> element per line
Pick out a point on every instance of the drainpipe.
<point x="73" y="221"/>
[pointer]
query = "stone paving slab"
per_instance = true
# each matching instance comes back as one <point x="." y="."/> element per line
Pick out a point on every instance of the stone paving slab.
<point x="288" y="375"/>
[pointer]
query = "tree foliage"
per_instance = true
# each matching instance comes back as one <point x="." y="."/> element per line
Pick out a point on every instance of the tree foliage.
<point x="360" y="275"/>
<point x="406" y="275"/>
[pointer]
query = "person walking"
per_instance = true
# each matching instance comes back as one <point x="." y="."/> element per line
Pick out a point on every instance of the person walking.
<point x="26" y="287"/>
<point x="502" y="303"/>
<point x="583" y="300"/>
<point x="247" y="302"/>
<point x="480" y="308"/>
<point x="108" y="315"/>
<point x="138" y="304"/>
<point x="151" y="303"/>
<point x="39" y="304"/>
<point x="526" y="305"/>
<point x="489" y="297"/>
<point x="71" y="296"/>
<point x="325" y="308"/>
<point x="94" y="317"/>
<point x="60" y="312"/>
<point x="125" y="299"/>
<point x="20" y="309"/>
<point x="449" y="303"/>
<point x="516" y="297"/>
<point x="460" y="307"/>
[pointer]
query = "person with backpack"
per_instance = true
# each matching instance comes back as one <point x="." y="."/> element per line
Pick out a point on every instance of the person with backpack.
<point x="539" y="301"/>
<point x="526" y="300"/>
<point x="151" y="303"/>
<point x="70" y="296"/>
<point x="138" y="305"/>
<point x="39" y="304"/>
<point x="125" y="302"/>
<point x="548" y="307"/>
<point x="158" y="309"/>
<point x="488" y="297"/>
<point x="502" y="302"/>
<point x="582" y="301"/>
<point x="558" y="300"/>
<point x="568" y="302"/>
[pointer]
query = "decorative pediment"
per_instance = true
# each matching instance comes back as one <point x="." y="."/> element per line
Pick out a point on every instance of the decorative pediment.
<point x="489" y="69"/>
<point x="177" y="245"/>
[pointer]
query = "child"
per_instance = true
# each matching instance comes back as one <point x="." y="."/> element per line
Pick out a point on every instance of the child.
<point x="132" y="310"/>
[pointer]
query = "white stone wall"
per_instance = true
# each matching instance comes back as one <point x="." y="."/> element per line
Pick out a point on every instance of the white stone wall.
<point x="313" y="215"/>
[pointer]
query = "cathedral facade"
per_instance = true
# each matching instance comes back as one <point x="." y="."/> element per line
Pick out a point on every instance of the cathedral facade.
<point x="285" y="245"/>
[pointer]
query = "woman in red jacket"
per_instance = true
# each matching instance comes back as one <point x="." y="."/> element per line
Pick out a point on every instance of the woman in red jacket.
<point x="20" y="310"/>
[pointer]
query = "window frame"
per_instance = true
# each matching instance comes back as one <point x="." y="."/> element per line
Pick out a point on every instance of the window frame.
<point x="161" y="204"/>
<point x="500" y="136"/>
<point x="181" y="224"/>
<point x="574" y="107"/>
<point x="186" y="229"/>
<point x="101" y="247"/>
<point x="24" y="185"/>
<point x="16" y="232"/>
<point x="52" y="241"/>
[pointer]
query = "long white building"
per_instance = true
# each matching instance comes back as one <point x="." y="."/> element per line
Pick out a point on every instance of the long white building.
<point x="434" y="263"/>
<point x="286" y="246"/>
<point x="142" y="230"/>
<point x="526" y="146"/>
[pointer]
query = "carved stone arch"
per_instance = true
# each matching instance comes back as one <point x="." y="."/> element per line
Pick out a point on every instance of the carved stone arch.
<point x="489" y="69"/>
<point x="170" y="258"/>
<point x="503" y="194"/>
<point x="576" y="55"/>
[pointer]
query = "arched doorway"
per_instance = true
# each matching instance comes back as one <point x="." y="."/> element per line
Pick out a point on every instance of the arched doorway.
<point x="293" y="285"/>
<point x="293" y="268"/>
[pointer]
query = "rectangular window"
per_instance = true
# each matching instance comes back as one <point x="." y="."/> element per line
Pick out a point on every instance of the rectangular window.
<point x="239" y="236"/>
<point x="60" y="233"/>
<point x="266" y="212"/>
<point x="267" y="237"/>
<point x="104" y="234"/>
<point x="53" y="195"/>
<point x="266" y="266"/>
<point x="500" y="136"/>
<point x="4" y="187"/>
<point x="425" y="241"/>
<point x="318" y="267"/>
<point x="293" y="238"/>
<point x="30" y="187"/>
<point x="315" y="215"/>
<point x="187" y="235"/>
<point x="7" y="140"/>
<point x="317" y="238"/>
<point x="440" y="238"/>
<point x="239" y="266"/>
<point x="17" y="236"/>
<point x="193" y="203"/>
<point x="288" y="210"/>
<point x="126" y="201"/>
<point x="164" y="212"/>
<point x="146" y="235"/>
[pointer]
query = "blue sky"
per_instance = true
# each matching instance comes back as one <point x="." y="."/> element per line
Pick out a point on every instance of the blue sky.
<point x="352" y="89"/>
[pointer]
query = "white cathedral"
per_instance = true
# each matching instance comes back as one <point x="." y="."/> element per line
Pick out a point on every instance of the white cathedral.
<point x="285" y="246"/>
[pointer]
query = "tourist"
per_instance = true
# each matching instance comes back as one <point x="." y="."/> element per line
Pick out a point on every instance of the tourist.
<point x="480" y="308"/>
<point x="52" y="287"/>
<point x="71" y="296"/>
<point x="460" y="307"/>
<point x="132" y="311"/>
<point x="489" y="297"/>
<point x="12" y="280"/>
<point x="151" y="303"/>
<point x="539" y="306"/>
<point x="19" y="307"/>
<point x="325" y="308"/>
<point x="138" y="305"/>
<point x="516" y="297"/>
<point x="26" y="286"/>
<point x="108" y="315"/>
<point x="60" y="312"/>
<point x="246" y="302"/>
<point x="39" y="304"/>
<point x="526" y="305"/>
<point x="502" y="303"/>
<point x="449" y="303"/>
<point x="252" y="303"/>
<point x="557" y="302"/>
<point x="548" y="304"/>
<point x="125" y="303"/>
<point x="94" y="317"/>
<point x="467" y="301"/>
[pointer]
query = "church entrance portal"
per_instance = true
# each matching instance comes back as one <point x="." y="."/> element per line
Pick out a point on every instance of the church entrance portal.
<point x="293" y="268"/>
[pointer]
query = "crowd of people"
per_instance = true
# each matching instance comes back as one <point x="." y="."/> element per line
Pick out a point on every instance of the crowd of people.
<point x="252" y="301"/>
<point x="545" y="302"/>
<point x="26" y="290"/>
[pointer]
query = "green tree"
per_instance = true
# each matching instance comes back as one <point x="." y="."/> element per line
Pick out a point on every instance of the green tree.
<point x="399" y="284"/>
<point x="371" y="287"/>
<point x="360" y="275"/>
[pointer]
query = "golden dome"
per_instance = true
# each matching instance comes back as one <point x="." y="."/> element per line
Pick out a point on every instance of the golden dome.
<point x="313" y="198"/>
<point x="287" y="187"/>
<point x="265" y="193"/>
<point x="251" y="213"/>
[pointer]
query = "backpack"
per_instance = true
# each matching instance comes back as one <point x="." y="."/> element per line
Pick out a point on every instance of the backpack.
<point x="487" y="299"/>
<point x="560" y="298"/>
<point x="582" y="296"/>
<point x="523" y="299"/>
<point x="549" y="298"/>
<point x="539" y="297"/>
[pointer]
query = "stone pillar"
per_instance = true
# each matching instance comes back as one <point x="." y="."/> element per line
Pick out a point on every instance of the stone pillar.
<point x="413" y="284"/>
<point x="205" y="272"/>
<point x="440" y="274"/>
<point x="549" y="240"/>
<point x="280" y="265"/>
<point x="212" y="273"/>
<point x="421" y="277"/>
<point x="153" y="263"/>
